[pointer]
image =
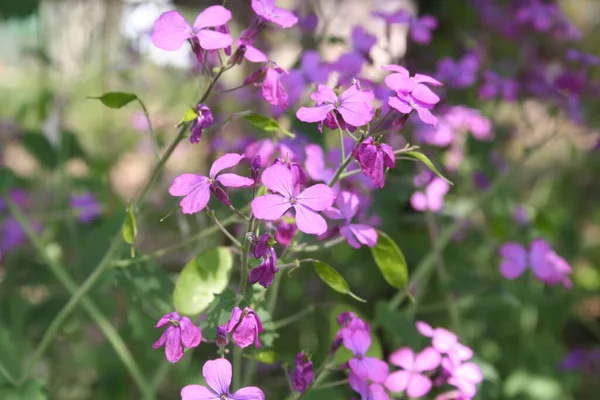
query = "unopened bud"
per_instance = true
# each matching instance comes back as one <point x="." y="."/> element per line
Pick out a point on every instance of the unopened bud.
<point x="220" y="194"/>
<point x="222" y="340"/>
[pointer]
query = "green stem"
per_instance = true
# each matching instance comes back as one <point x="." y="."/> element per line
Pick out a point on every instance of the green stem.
<point x="224" y="230"/>
<point x="340" y="170"/>
<point x="293" y="318"/>
<point x="325" y="245"/>
<point x="150" y="128"/>
<point x="343" y="382"/>
<point x="342" y="142"/>
<point x="89" y="306"/>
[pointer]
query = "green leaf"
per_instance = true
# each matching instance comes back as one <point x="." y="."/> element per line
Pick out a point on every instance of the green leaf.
<point x="201" y="279"/>
<point x="129" y="229"/>
<point x="190" y="115"/>
<point x="116" y="99"/>
<point x="265" y="357"/>
<point x="425" y="160"/>
<point x="31" y="390"/>
<point x="218" y="312"/>
<point x="267" y="124"/>
<point x="334" y="280"/>
<point x="390" y="260"/>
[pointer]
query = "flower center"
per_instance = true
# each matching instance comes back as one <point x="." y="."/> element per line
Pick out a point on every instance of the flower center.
<point x="293" y="200"/>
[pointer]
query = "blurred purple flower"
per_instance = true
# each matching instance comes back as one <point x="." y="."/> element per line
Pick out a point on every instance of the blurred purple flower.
<point x="86" y="205"/>
<point x="180" y="332"/>
<point x="495" y="86"/>
<point x="270" y="12"/>
<point x="432" y="197"/>
<point x="411" y="378"/>
<point x="367" y="391"/>
<point x="358" y="342"/>
<point x="458" y="74"/>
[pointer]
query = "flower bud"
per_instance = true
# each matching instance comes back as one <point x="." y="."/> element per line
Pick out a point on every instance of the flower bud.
<point x="222" y="340"/>
<point x="220" y="194"/>
<point x="255" y="168"/>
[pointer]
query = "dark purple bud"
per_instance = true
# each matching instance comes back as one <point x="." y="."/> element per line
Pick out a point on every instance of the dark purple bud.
<point x="220" y="194"/>
<point x="256" y="76"/>
<point x="337" y="342"/>
<point x="204" y="120"/>
<point x="222" y="340"/>
<point x="238" y="56"/>
<point x="196" y="49"/>
<point x="260" y="249"/>
<point x="304" y="374"/>
<point x="255" y="168"/>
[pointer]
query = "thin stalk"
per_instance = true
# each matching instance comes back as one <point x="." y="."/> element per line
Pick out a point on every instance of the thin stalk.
<point x="150" y="128"/>
<point x="342" y="142"/>
<point x="343" y="382"/>
<point x="293" y="318"/>
<point x="325" y="245"/>
<point x="224" y="230"/>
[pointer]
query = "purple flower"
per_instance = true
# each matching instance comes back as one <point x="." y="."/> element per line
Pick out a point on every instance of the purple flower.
<point x="540" y="15"/>
<point x="458" y="74"/>
<point x="315" y="164"/>
<point x="358" y="342"/>
<point x="203" y="121"/>
<point x="432" y="198"/>
<point x="367" y="391"/>
<point x="264" y="273"/>
<point x="180" y="332"/>
<point x="244" y="326"/>
<point x="217" y="374"/>
<point x="268" y="11"/>
<point x="270" y="207"/>
<point x="88" y="208"/>
<point x="285" y="232"/>
<point x="171" y="30"/>
<point x="352" y="107"/>
<point x="420" y="27"/>
<point x="197" y="188"/>
<point x="546" y="265"/>
<point x="269" y="77"/>
<point x="582" y="57"/>
<point x="13" y="235"/>
<point x="362" y="41"/>
<point x="374" y="158"/>
<point x="445" y="342"/>
<point x="312" y="70"/>
<point x="304" y="373"/>
<point x="355" y="234"/>
<point x="246" y="46"/>
<point x="495" y="85"/>
<point x="464" y="376"/>
<point x="411" y="378"/>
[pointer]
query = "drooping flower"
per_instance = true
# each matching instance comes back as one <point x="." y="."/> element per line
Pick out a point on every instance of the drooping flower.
<point x="268" y="78"/>
<point x="180" y="332"/>
<point x="197" y="188"/>
<point x="270" y="12"/>
<point x="367" y="391"/>
<point x="432" y="197"/>
<point x="171" y="30"/>
<point x="306" y="204"/>
<point x="540" y="15"/>
<point x="304" y="373"/>
<point x="264" y="273"/>
<point x="86" y="205"/>
<point x="546" y="265"/>
<point x="355" y="234"/>
<point x="411" y="378"/>
<point x="244" y="326"/>
<point x="246" y="46"/>
<point x="203" y="121"/>
<point x="217" y="374"/>
<point x="358" y="342"/>
<point x="374" y="158"/>
<point x="353" y="107"/>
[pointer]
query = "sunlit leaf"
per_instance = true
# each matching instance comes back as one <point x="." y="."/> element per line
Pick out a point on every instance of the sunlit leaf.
<point x="129" y="229"/>
<point x="116" y="99"/>
<point x="267" y="124"/>
<point x="265" y="356"/>
<point x="390" y="260"/>
<point x="425" y="160"/>
<point x="333" y="279"/>
<point x="201" y="279"/>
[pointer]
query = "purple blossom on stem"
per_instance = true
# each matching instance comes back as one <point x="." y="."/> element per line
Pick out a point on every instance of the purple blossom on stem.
<point x="180" y="332"/>
<point x="203" y="121"/>
<point x="244" y="326"/>
<point x="374" y="158"/>
<point x="540" y="15"/>
<point x="267" y="10"/>
<point x="269" y="77"/>
<point x="412" y="378"/>
<point x="171" y="30"/>
<point x="217" y="374"/>
<point x="306" y="204"/>
<point x="86" y="205"/>
<point x="264" y="273"/>
<point x="196" y="189"/>
<point x="358" y="342"/>
<point x="355" y="234"/>
<point x="464" y="376"/>
<point x="351" y="108"/>
<point x="246" y="46"/>
<point x="304" y="373"/>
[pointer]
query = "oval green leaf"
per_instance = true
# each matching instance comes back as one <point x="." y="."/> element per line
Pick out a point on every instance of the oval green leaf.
<point x="129" y="229"/>
<point x="334" y="280"/>
<point x="425" y="160"/>
<point x="267" y="124"/>
<point x="201" y="279"/>
<point x="390" y="260"/>
<point x="266" y="356"/>
<point x="116" y="99"/>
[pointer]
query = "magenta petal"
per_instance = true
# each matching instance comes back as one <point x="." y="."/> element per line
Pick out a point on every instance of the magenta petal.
<point x="378" y="369"/>
<point x="426" y="116"/>
<point x="217" y="374"/>
<point x="427" y="360"/>
<point x="212" y="16"/>
<point x="400" y="83"/>
<point x="161" y="341"/>
<point x="273" y="90"/>
<point x="279" y="179"/>
<point x="225" y="161"/>
<point x="404" y="358"/>
<point x="418" y="386"/>
<point x="186" y="183"/>
<point x="333" y="213"/>
<point x="170" y="31"/>
<point x="424" y="328"/>
<point x="283" y="17"/>
<point x="234" y="180"/>
<point x="444" y="340"/>
<point x="397" y="381"/>
<point x="347" y="233"/>
<point x="317" y="197"/>
<point x="315" y="161"/>
<point x="252" y="54"/>
<point x="197" y="392"/>
<point x="425" y="95"/>
<point x="196" y="200"/>
<point x="399" y="105"/>
<point x="348" y="204"/>
<point x="248" y="393"/>
<point x="165" y="319"/>
<point x="213" y="40"/>
<point x="309" y="221"/>
<point x="191" y="335"/>
<point x="396" y="68"/>
<point x="357" y="341"/>
<point x="515" y="260"/>
<point x="358" y="384"/>
<point x="314" y="114"/>
<point x="420" y="78"/>
<point x="173" y="347"/>
<point x="377" y="392"/>
<point x="324" y="94"/>
<point x="418" y="201"/>
<point x="364" y="234"/>
<point x="359" y="367"/>
<point x="270" y="207"/>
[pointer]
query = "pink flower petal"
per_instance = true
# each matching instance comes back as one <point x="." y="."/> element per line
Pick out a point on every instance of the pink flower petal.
<point x="333" y="213"/>
<point x="420" y="78"/>
<point x="317" y="197"/>
<point x="212" y="40"/>
<point x="212" y="16"/>
<point x="314" y="114"/>
<point x="424" y="328"/>
<point x="279" y="179"/>
<point x="273" y="90"/>
<point x="404" y="357"/>
<point x="309" y="221"/>
<point x="197" y="392"/>
<point x="234" y="180"/>
<point x="426" y="116"/>
<point x="196" y="200"/>
<point x="418" y="386"/>
<point x="427" y="360"/>
<point x="170" y="31"/>
<point x="225" y="161"/>
<point x="400" y="83"/>
<point x="396" y="68"/>
<point x="350" y="238"/>
<point x="186" y="183"/>
<point x="270" y="207"/>
<point x="444" y="340"/>
<point x="377" y="392"/>
<point x="217" y="374"/>
<point x="378" y="369"/>
<point x="173" y="347"/>
<point x="397" y="381"/>
<point x="348" y="204"/>
<point x="357" y="341"/>
<point x="191" y="335"/>
<point x="314" y="162"/>
<point x="399" y="105"/>
<point x="425" y="95"/>
<point x="324" y="94"/>
<point x="252" y="54"/>
<point x="418" y="201"/>
<point x="284" y="18"/>
<point x="515" y="260"/>
<point x="364" y="234"/>
<point x="248" y="393"/>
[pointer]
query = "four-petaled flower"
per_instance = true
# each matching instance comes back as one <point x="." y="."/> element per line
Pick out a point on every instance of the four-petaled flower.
<point x="171" y="30"/>
<point x="374" y="158"/>
<point x="358" y="342"/>
<point x="353" y="107"/>
<point x="217" y="374"/>
<point x="197" y="188"/>
<point x="411" y="378"/>
<point x="181" y="332"/>
<point x="367" y="391"/>
<point x="279" y="179"/>
<point x="244" y="326"/>
<point x="355" y="234"/>
<point x="270" y="12"/>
